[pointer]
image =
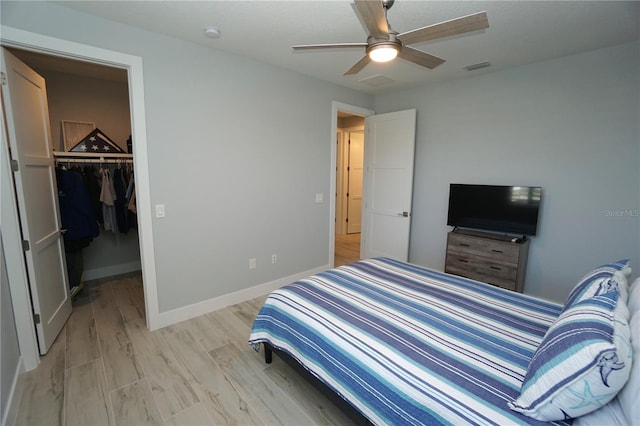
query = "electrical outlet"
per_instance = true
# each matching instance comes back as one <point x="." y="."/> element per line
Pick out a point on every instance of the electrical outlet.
<point x="252" y="263"/>
<point x="274" y="259"/>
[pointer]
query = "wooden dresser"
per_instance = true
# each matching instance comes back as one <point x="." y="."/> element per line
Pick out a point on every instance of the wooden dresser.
<point x="488" y="258"/>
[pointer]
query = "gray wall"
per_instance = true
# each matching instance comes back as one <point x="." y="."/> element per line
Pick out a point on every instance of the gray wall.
<point x="570" y="125"/>
<point x="10" y="356"/>
<point x="237" y="151"/>
<point x="78" y="98"/>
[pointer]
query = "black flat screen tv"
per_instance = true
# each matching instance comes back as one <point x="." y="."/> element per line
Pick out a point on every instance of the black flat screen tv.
<point x="508" y="209"/>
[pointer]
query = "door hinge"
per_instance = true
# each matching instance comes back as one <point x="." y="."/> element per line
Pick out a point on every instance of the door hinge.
<point x="3" y="79"/>
<point x="14" y="165"/>
<point x="25" y="245"/>
<point x="36" y="318"/>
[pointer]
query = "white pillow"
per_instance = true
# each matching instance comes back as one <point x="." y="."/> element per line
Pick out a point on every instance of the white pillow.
<point x="629" y="396"/>
<point x="582" y="362"/>
<point x="609" y="415"/>
<point x="625" y="408"/>
<point x="634" y="297"/>
<point x="623" y="284"/>
<point x="605" y="278"/>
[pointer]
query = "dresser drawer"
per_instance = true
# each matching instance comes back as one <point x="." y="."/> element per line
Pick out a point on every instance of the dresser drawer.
<point x="488" y="259"/>
<point x="471" y="265"/>
<point x="505" y="283"/>
<point x="484" y="247"/>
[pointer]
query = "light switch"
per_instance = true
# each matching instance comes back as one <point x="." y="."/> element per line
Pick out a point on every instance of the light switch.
<point x="159" y="210"/>
<point x="319" y="197"/>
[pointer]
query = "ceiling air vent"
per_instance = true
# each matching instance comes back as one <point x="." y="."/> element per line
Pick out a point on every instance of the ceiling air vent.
<point x="477" y="66"/>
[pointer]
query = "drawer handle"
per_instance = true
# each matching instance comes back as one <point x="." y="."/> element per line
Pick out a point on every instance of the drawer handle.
<point x="497" y="268"/>
<point x="465" y="245"/>
<point x="497" y="251"/>
<point x="463" y="261"/>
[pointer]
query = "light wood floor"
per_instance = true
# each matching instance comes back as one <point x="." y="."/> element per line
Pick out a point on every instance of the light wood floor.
<point x="106" y="368"/>
<point x="347" y="249"/>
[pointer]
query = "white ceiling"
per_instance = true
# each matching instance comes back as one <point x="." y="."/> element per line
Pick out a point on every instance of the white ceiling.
<point x="519" y="32"/>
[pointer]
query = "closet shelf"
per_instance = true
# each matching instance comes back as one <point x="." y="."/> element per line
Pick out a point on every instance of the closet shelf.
<point x="87" y="157"/>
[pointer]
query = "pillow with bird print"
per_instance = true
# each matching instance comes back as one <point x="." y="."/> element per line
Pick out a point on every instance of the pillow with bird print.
<point x="583" y="361"/>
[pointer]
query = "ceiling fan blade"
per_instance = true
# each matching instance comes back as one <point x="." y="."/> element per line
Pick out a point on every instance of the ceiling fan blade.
<point x="355" y="69"/>
<point x="477" y="21"/>
<point x="327" y="46"/>
<point x="374" y="18"/>
<point x="419" y="57"/>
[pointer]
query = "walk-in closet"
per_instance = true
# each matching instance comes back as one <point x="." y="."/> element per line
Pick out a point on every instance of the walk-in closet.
<point x="90" y="103"/>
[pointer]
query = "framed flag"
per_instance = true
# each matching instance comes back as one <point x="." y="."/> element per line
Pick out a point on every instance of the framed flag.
<point x="96" y="142"/>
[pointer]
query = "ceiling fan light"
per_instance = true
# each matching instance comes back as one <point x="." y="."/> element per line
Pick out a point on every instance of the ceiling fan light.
<point x="383" y="53"/>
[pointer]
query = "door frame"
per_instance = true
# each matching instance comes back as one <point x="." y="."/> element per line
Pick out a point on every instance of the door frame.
<point x="350" y="109"/>
<point x="25" y="40"/>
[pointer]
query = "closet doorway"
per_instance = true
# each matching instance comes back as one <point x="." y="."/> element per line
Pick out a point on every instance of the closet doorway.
<point x="83" y="91"/>
<point x="98" y="95"/>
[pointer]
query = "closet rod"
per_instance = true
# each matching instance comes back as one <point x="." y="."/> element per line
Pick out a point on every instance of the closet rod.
<point x="95" y="160"/>
<point x="101" y="155"/>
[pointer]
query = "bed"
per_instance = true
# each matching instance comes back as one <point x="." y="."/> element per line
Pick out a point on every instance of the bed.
<point x="403" y="344"/>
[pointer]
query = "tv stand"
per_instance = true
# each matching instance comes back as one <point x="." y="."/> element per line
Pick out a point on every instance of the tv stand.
<point x="499" y="260"/>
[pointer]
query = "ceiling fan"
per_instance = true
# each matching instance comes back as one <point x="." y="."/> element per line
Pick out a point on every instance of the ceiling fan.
<point x="384" y="44"/>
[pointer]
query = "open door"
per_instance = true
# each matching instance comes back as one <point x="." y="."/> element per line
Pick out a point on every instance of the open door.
<point x="354" y="184"/>
<point x="388" y="184"/>
<point x="24" y="98"/>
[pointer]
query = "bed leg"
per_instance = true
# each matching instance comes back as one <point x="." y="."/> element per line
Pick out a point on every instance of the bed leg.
<point x="267" y="353"/>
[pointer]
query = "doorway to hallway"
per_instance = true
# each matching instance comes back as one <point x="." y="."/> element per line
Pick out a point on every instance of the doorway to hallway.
<point x="347" y="249"/>
<point x="349" y="178"/>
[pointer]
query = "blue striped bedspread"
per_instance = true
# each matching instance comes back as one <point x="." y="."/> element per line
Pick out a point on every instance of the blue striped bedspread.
<point x="408" y="345"/>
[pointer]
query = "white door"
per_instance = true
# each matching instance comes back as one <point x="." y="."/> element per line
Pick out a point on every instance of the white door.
<point x="27" y="118"/>
<point x="354" y="191"/>
<point x="388" y="184"/>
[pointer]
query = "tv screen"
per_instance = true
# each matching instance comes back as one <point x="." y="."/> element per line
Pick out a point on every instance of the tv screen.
<point x="508" y="209"/>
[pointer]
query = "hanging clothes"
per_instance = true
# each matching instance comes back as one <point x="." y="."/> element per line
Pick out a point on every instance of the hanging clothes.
<point x="132" y="199"/>
<point x="120" y="203"/>
<point x="78" y="220"/>
<point x="131" y="202"/>
<point x="92" y="182"/>
<point x="76" y="211"/>
<point x="108" y="198"/>
<point x="129" y="192"/>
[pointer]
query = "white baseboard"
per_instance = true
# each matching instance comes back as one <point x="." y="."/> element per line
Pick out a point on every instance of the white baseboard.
<point x="110" y="271"/>
<point x="206" y="306"/>
<point x="15" y="393"/>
